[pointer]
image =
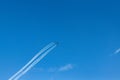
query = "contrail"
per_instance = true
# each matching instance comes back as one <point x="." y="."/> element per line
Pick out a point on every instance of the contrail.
<point x="35" y="57"/>
<point x="34" y="63"/>
<point x="38" y="57"/>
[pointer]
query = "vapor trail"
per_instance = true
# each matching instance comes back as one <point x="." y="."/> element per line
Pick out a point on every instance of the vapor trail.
<point x="34" y="63"/>
<point x="39" y="56"/>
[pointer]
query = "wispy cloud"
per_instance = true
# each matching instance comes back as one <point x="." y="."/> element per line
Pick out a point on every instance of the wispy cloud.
<point x="63" y="68"/>
<point x="66" y="67"/>
<point x="117" y="51"/>
<point x="55" y="70"/>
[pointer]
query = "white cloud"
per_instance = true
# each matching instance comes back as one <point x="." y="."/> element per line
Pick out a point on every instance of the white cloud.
<point x="66" y="67"/>
<point x="117" y="51"/>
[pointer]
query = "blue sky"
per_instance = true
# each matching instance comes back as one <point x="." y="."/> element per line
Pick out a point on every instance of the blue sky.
<point x="88" y="32"/>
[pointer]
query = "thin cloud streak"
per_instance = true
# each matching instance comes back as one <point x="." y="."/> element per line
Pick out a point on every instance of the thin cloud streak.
<point x="38" y="57"/>
<point x="66" y="67"/>
<point x="117" y="51"/>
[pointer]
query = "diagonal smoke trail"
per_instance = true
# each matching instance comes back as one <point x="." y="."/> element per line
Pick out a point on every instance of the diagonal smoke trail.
<point x="34" y="63"/>
<point x="39" y="56"/>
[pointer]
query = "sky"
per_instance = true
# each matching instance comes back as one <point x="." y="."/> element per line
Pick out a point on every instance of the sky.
<point x="88" y="32"/>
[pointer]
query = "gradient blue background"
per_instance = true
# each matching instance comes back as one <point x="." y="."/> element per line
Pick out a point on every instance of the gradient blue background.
<point x="88" y="31"/>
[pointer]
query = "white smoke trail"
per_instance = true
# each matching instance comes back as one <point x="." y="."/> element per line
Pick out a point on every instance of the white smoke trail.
<point x="33" y="61"/>
<point x="37" y="55"/>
